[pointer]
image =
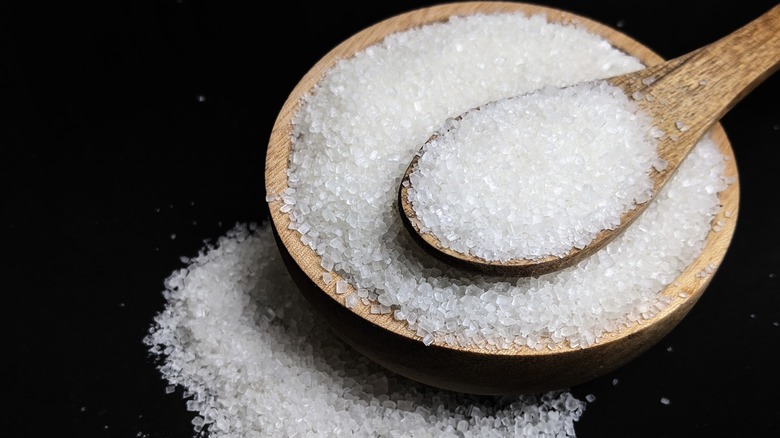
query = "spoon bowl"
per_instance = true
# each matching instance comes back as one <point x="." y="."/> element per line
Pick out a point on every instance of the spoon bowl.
<point x="480" y="370"/>
<point x="682" y="98"/>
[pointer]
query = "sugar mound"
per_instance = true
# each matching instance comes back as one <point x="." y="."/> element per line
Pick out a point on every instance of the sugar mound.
<point x="534" y="175"/>
<point x="239" y="337"/>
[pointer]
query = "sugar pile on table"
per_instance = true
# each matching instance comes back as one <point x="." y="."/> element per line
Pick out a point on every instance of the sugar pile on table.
<point x="355" y="134"/>
<point x="534" y="175"/>
<point x="258" y="362"/>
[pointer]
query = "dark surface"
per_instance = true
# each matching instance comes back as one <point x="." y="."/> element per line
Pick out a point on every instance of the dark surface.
<point x="108" y="152"/>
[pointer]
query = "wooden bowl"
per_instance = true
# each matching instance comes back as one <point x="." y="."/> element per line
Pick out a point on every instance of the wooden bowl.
<point x="518" y="370"/>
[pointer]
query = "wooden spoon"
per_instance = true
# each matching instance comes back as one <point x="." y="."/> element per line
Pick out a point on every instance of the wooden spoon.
<point x="684" y="97"/>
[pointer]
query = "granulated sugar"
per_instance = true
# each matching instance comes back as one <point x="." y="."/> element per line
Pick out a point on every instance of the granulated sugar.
<point x="534" y="175"/>
<point x="356" y="133"/>
<point x="257" y="362"/>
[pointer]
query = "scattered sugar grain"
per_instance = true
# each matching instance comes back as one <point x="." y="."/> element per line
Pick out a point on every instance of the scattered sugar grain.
<point x="659" y="164"/>
<point x="656" y="132"/>
<point x="351" y="301"/>
<point x="665" y="401"/>
<point x="345" y="168"/>
<point x="648" y="80"/>
<point x="590" y="398"/>
<point x="615" y="381"/>
<point x="251" y="377"/>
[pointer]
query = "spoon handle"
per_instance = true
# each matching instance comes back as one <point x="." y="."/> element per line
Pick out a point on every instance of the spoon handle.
<point x="689" y="94"/>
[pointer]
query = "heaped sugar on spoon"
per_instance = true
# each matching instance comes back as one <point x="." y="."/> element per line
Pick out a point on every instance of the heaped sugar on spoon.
<point x="535" y="183"/>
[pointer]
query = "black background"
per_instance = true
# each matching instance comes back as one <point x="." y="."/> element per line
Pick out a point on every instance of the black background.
<point x="107" y="151"/>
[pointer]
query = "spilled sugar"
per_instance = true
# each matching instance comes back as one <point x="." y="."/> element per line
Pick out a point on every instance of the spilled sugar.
<point x="257" y="362"/>
<point x="355" y="134"/>
<point x="534" y="175"/>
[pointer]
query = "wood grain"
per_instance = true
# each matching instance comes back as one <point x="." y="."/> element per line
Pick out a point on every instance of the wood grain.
<point x="479" y="370"/>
